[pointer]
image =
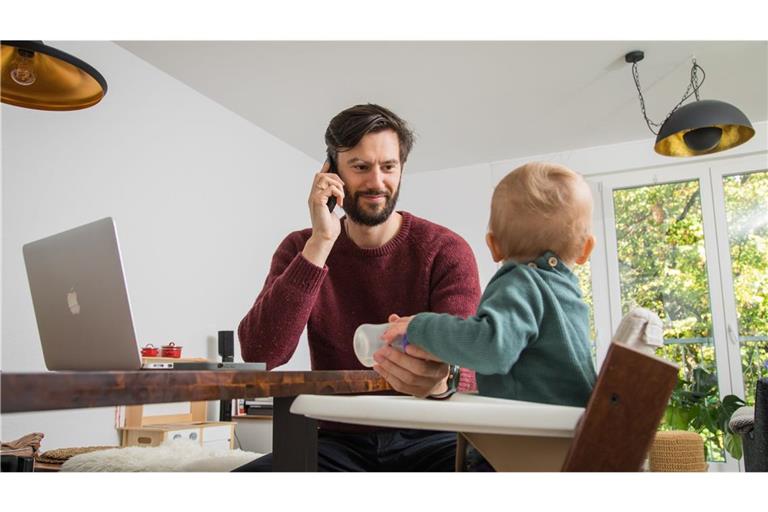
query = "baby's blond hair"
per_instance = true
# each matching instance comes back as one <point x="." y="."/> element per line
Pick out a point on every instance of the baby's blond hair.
<point x="541" y="207"/>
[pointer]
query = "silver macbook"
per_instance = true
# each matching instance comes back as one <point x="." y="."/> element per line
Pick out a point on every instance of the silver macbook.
<point x="81" y="302"/>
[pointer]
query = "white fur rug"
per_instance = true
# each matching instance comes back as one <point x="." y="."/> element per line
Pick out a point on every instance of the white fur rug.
<point x="170" y="456"/>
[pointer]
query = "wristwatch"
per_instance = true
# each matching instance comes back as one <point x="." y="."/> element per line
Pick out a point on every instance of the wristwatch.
<point x="454" y="372"/>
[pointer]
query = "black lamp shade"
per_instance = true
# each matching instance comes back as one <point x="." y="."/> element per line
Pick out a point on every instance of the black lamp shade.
<point x="703" y="127"/>
<point x="56" y="79"/>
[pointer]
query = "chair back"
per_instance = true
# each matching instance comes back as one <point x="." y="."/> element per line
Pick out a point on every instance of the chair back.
<point x="623" y="412"/>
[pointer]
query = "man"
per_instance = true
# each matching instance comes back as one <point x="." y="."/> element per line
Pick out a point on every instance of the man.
<point x="345" y="272"/>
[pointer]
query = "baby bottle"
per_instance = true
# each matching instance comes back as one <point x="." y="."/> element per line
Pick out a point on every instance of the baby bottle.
<point x="368" y="340"/>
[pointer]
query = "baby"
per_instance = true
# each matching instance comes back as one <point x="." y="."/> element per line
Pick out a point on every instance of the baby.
<point x="529" y="339"/>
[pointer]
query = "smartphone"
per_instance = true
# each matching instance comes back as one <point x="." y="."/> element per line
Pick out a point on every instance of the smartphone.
<point x="332" y="169"/>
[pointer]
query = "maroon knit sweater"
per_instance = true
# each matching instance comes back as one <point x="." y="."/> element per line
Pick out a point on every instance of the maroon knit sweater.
<point x="425" y="267"/>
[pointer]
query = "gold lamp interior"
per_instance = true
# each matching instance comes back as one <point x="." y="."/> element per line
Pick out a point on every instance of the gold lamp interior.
<point x="55" y="83"/>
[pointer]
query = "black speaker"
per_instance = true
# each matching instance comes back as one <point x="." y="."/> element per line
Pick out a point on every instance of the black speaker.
<point x="227" y="353"/>
<point x="227" y="346"/>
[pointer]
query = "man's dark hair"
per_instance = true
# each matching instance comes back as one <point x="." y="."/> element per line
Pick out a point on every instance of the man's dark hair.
<point x="349" y="126"/>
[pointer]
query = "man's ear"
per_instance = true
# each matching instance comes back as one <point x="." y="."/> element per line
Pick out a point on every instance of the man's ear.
<point x="586" y="250"/>
<point x="496" y="253"/>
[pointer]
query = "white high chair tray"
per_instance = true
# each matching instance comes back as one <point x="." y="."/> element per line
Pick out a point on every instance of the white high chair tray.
<point x="461" y="413"/>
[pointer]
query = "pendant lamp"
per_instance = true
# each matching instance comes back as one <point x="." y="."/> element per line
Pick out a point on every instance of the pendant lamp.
<point x="35" y="75"/>
<point x="699" y="128"/>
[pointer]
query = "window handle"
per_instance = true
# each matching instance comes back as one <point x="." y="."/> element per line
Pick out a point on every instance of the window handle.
<point x="732" y="335"/>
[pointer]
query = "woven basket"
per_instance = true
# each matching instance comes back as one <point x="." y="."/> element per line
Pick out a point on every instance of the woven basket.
<point x="677" y="451"/>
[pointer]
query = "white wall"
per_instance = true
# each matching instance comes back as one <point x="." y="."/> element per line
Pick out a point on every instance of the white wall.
<point x="200" y="196"/>
<point x="458" y="198"/>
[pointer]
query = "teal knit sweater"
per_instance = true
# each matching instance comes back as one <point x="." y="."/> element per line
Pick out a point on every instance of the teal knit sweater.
<point x="529" y="339"/>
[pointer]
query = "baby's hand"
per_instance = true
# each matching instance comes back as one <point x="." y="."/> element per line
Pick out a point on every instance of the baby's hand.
<point x="398" y="326"/>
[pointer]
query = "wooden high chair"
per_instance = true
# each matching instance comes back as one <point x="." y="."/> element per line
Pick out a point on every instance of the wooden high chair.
<point x="615" y="432"/>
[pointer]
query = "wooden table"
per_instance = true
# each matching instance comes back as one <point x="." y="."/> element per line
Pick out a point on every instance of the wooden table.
<point x="294" y="441"/>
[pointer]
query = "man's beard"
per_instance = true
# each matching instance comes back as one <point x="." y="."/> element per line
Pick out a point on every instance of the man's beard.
<point x="361" y="215"/>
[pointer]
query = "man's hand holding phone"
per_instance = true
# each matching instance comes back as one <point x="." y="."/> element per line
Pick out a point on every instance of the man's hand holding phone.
<point x="326" y="226"/>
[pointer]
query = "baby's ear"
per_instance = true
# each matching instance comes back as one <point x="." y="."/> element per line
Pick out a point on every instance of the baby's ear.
<point x="586" y="250"/>
<point x="490" y="240"/>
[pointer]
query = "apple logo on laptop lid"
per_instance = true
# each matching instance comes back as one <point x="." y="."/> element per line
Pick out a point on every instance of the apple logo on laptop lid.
<point x="74" y="306"/>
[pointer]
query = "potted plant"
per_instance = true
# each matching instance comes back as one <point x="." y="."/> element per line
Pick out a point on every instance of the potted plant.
<point x="695" y="405"/>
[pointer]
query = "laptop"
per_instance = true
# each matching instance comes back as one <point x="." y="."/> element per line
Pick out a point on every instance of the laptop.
<point x="81" y="303"/>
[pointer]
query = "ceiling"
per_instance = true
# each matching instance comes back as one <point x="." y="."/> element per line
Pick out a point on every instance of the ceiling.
<point x="469" y="102"/>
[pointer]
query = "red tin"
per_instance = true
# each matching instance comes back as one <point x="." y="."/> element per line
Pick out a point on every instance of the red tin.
<point x="149" y="350"/>
<point x="171" y="350"/>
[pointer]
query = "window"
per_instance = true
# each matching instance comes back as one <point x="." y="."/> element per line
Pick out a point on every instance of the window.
<point x="690" y="242"/>
<point x="746" y="212"/>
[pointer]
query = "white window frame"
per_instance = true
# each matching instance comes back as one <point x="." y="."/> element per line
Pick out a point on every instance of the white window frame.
<point x="718" y="171"/>
<point x="600" y="289"/>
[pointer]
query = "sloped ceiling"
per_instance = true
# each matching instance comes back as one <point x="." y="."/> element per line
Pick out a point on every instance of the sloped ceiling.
<point x="469" y="102"/>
